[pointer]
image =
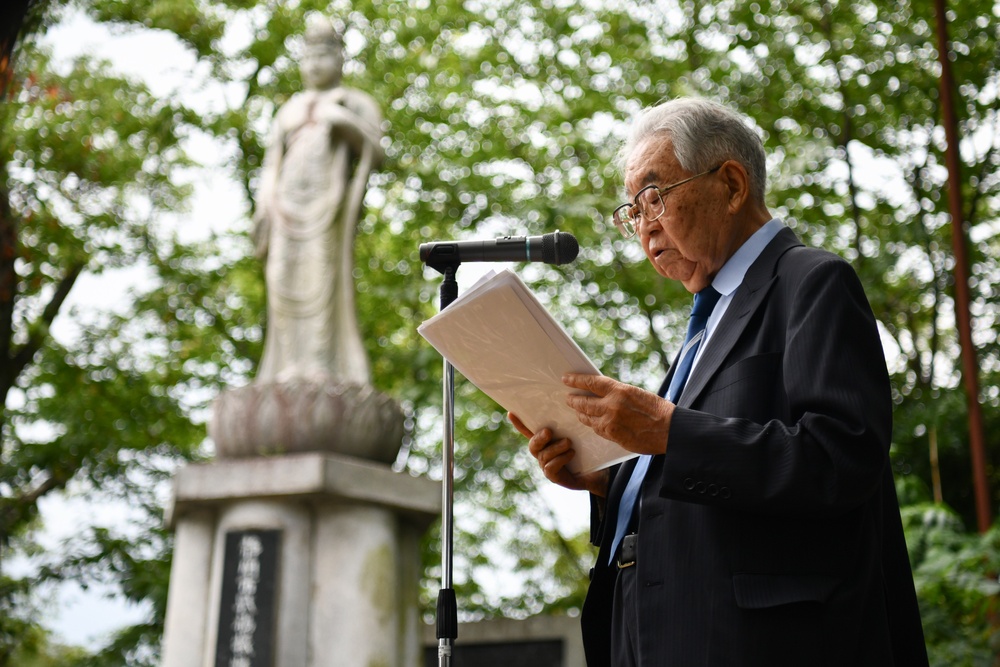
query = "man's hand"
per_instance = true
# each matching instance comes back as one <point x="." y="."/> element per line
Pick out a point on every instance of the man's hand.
<point x="636" y="419"/>
<point x="554" y="455"/>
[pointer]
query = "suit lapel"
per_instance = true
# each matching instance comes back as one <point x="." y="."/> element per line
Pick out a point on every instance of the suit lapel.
<point x="749" y="296"/>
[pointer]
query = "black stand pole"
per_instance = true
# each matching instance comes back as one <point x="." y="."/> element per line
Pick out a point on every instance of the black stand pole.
<point x="447" y="608"/>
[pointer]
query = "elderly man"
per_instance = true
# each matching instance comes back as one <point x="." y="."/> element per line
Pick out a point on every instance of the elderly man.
<point x="759" y="525"/>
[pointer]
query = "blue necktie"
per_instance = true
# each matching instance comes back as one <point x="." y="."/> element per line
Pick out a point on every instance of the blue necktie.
<point x="704" y="303"/>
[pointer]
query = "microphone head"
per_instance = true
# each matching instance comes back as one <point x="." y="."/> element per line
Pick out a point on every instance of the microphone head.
<point x="559" y="248"/>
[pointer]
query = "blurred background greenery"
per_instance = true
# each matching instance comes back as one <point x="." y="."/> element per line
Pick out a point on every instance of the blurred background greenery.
<point x="502" y="117"/>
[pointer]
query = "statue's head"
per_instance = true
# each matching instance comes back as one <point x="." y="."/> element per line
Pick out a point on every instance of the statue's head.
<point x="323" y="58"/>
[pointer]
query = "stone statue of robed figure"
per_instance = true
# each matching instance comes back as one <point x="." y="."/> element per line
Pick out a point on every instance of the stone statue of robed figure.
<point x="323" y="145"/>
<point x="313" y="387"/>
<point x="299" y="545"/>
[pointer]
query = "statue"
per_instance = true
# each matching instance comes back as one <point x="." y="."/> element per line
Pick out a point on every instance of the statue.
<point x="299" y="545"/>
<point x="323" y="145"/>
<point x="313" y="388"/>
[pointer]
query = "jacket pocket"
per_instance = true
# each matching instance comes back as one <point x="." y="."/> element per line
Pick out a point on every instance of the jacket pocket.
<point x="761" y="591"/>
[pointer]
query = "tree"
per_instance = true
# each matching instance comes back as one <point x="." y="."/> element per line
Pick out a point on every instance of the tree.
<point x="90" y="163"/>
<point x="501" y="117"/>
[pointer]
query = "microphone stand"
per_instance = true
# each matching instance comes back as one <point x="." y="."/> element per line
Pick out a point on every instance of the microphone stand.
<point x="445" y="258"/>
<point x="447" y="607"/>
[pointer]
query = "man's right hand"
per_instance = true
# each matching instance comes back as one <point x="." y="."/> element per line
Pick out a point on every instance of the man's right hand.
<point x="553" y="457"/>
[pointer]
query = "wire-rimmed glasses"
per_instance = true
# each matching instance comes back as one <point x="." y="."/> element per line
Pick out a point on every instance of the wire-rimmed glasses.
<point x="647" y="204"/>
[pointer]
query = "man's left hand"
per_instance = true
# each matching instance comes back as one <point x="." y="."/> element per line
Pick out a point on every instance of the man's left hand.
<point x="636" y="419"/>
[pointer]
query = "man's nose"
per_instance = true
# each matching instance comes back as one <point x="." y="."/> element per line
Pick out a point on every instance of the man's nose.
<point x="645" y="227"/>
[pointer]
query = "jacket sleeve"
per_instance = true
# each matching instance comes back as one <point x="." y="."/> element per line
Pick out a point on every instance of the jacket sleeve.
<point x="599" y="509"/>
<point x="799" y="421"/>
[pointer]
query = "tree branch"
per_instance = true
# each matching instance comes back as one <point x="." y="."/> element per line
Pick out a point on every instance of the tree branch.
<point x="847" y="132"/>
<point x="15" y="511"/>
<point x="23" y="356"/>
<point x="8" y="276"/>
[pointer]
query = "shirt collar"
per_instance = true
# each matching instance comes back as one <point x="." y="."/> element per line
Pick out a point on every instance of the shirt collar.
<point x="730" y="276"/>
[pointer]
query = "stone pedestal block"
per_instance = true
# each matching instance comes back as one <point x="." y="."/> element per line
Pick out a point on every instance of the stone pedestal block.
<point x="317" y="414"/>
<point x="341" y="539"/>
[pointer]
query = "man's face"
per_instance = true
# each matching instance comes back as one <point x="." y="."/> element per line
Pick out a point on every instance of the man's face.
<point x="689" y="241"/>
<point x="321" y="66"/>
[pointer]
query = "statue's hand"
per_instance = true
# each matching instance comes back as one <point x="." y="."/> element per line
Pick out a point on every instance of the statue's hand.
<point x="345" y="126"/>
<point x="356" y="119"/>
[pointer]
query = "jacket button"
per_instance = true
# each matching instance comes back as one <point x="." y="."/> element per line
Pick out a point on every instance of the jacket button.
<point x="689" y="484"/>
<point x="724" y="492"/>
<point x="700" y="487"/>
<point x="713" y="490"/>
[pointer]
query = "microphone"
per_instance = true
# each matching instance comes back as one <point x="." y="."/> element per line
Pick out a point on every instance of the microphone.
<point x="553" y="248"/>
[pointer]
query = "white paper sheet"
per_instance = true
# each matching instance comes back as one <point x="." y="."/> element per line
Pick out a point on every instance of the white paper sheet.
<point x="506" y="343"/>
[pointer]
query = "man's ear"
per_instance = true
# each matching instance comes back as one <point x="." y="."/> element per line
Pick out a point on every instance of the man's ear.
<point x="738" y="182"/>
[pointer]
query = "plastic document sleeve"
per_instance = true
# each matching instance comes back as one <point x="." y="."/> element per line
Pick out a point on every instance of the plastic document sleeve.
<point x="507" y="344"/>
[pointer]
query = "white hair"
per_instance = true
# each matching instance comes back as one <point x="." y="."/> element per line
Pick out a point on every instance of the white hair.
<point x="704" y="134"/>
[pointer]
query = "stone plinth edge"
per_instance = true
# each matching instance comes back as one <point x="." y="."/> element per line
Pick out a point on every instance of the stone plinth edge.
<point x="303" y="477"/>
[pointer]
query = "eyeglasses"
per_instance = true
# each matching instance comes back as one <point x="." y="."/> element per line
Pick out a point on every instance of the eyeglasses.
<point x="647" y="204"/>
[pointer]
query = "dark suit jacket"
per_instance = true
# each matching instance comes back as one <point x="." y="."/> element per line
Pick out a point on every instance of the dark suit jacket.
<point x="769" y="533"/>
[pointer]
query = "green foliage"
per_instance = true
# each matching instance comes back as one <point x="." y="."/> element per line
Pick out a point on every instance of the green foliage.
<point x="501" y="118"/>
<point x="91" y="164"/>
<point x="138" y="563"/>
<point x="36" y="649"/>
<point x="955" y="574"/>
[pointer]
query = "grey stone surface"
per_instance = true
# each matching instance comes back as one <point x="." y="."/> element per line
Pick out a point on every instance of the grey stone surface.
<point x="303" y="477"/>
<point x="360" y="618"/>
<point x="304" y="415"/>
<point x="349" y="564"/>
<point x="295" y="574"/>
<point x="186" y="623"/>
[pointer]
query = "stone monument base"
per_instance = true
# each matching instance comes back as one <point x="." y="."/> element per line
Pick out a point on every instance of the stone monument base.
<point x="307" y="560"/>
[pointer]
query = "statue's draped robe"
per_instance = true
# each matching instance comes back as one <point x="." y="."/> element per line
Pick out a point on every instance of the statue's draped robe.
<point x="313" y="182"/>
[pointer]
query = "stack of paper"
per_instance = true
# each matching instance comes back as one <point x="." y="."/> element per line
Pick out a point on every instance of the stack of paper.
<point x="503" y="340"/>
